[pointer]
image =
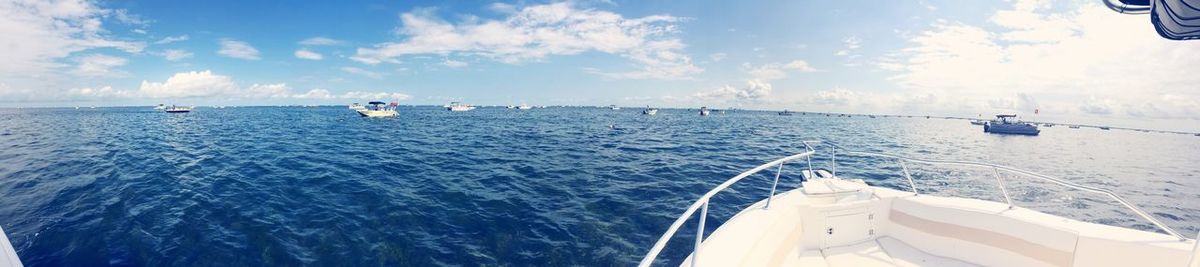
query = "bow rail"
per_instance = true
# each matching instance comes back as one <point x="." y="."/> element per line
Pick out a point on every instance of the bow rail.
<point x="701" y="204"/>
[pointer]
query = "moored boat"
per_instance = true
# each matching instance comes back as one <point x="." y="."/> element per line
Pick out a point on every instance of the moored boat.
<point x="379" y="109"/>
<point x="704" y="111"/>
<point x="456" y="106"/>
<point x="650" y="111"/>
<point x="785" y="113"/>
<point x="1008" y="124"/>
<point x="178" y="109"/>
<point x="835" y="220"/>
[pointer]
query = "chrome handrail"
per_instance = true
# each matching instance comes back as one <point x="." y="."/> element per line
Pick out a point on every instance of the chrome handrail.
<point x="1043" y="177"/>
<point x="702" y="202"/>
<point x="1123" y="8"/>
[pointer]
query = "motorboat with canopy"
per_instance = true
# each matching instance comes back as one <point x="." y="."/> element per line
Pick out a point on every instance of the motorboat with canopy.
<point x="379" y="109"/>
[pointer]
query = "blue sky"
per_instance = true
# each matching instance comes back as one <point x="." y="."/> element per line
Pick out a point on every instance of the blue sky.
<point x="1069" y="59"/>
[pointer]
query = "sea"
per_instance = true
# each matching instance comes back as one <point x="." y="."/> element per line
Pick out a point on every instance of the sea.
<point x="558" y="186"/>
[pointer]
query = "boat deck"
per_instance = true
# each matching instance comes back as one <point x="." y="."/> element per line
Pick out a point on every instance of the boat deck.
<point x="834" y="225"/>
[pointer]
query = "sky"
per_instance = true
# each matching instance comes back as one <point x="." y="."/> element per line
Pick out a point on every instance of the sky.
<point x="1072" y="61"/>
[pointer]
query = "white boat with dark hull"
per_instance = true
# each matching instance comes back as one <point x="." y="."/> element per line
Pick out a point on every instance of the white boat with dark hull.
<point x="836" y="221"/>
<point x="704" y="111"/>
<point x="1008" y="124"/>
<point x="456" y="106"/>
<point x="178" y="109"/>
<point x="650" y="111"/>
<point x="379" y="109"/>
<point x="524" y="107"/>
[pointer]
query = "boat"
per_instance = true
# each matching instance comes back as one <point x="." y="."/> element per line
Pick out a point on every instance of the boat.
<point x="160" y="107"/>
<point x="178" y="109"/>
<point x="8" y="255"/>
<point x="1048" y="124"/>
<point x="524" y="106"/>
<point x="456" y="106"/>
<point x="357" y="107"/>
<point x="1105" y="128"/>
<point x="1073" y="126"/>
<point x="834" y="219"/>
<point x="379" y="109"/>
<point x="871" y="116"/>
<point x="650" y="111"/>
<point x="704" y="111"/>
<point x="978" y="122"/>
<point x="614" y="107"/>
<point x="1008" y="124"/>
<point x="785" y="113"/>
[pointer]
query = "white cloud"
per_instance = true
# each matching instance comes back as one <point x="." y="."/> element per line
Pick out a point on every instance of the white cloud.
<point x="175" y="54"/>
<point x="454" y="63"/>
<point x="717" y="57"/>
<point x="321" y="41"/>
<point x="172" y="39"/>
<point x="306" y="54"/>
<point x="98" y="65"/>
<point x="277" y="90"/>
<point x="37" y="34"/>
<point x="367" y="73"/>
<point x="1115" y="62"/>
<point x="375" y="96"/>
<point x="189" y="84"/>
<point x="852" y="43"/>
<point x="238" y="49"/>
<point x="315" y="94"/>
<point x="775" y="71"/>
<point x="538" y="31"/>
<point x="754" y="90"/>
<point x="123" y="16"/>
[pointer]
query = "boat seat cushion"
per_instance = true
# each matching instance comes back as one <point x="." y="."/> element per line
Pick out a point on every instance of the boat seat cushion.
<point x="981" y="232"/>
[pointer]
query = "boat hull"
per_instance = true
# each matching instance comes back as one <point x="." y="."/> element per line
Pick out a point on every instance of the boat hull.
<point x="377" y="113"/>
<point x="1011" y="129"/>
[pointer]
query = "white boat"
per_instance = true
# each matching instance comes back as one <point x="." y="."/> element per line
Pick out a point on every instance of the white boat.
<point x="456" y="106"/>
<point x="838" y="221"/>
<point x="614" y="107"/>
<point x="8" y="255"/>
<point x="178" y="109"/>
<point x="379" y="109"/>
<point x="357" y="107"/>
<point x="160" y="107"/>
<point x="650" y="111"/>
<point x="704" y="111"/>
<point x="524" y="106"/>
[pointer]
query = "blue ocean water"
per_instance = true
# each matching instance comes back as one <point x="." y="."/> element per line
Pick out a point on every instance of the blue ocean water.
<point x="294" y="186"/>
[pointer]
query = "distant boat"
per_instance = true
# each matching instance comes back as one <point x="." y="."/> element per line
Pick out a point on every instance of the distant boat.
<point x="978" y="122"/>
<point x="785" y="113"/>
<point x="704" y="111"/>
<point x="1198" y="134"/>
<point x="1073" y="126"/>
<point x="614" y="107"/>
<point x="871" y="116"/>
<point x="378" y="109"/>
<point x="178" y="109"/>
<point x="524" y="106"/>
<point x="357" y="107"/>
<point x="510" y="107"/>
<point x="650" y="111"/>
<point x="1008" y="124"/>
<point x="456" y="106"/>
<point x="1048" y="124"/>
<point x="160" y="107"/>
<point x="1104" y="128"/>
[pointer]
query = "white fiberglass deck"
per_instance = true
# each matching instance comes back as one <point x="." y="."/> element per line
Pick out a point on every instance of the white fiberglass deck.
<point x="830" y="221"/>
<point x="884" y="227"/>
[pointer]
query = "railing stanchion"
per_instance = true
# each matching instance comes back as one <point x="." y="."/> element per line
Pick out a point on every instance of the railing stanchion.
<point x="833" y="158"/>
<point x="773" y="185"/>
<point x="700" y="234"/>
<point x="1003" y="189"/>
<point x="908" y="176"/>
